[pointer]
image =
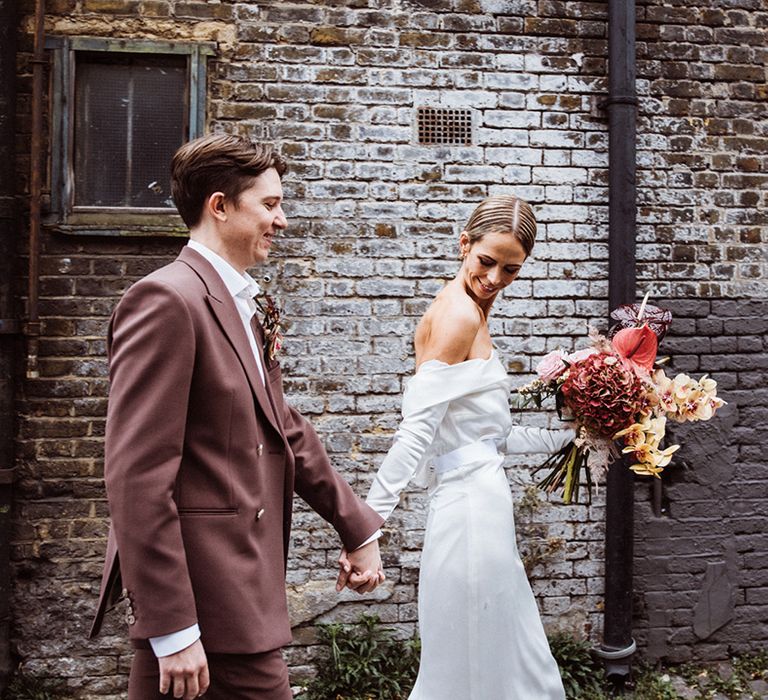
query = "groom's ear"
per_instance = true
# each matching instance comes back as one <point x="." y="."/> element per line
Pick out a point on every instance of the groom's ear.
<point x="214" y="205"/>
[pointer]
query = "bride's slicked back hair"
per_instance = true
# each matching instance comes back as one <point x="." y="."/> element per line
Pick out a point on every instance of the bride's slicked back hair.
<point x="503" y="214"/>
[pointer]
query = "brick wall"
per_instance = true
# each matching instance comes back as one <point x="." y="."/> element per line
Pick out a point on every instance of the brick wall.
<point x="374" y="220"/>
<point x="702" y="155"/>
<point x="701" y="580"/>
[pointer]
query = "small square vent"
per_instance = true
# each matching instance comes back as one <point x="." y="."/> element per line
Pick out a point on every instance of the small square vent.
<point x="444" y="126"/>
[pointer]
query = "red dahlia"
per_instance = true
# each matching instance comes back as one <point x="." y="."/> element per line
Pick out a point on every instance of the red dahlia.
<point x="603" y="394"/>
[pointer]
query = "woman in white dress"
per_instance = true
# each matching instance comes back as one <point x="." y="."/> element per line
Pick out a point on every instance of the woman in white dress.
<point x="482" y="638"/>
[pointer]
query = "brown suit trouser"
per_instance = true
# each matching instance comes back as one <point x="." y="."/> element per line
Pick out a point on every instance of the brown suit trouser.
<point x="233" y="677"/>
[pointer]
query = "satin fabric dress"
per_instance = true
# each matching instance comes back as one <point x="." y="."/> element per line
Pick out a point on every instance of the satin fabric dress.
<point x="482" y="637"/>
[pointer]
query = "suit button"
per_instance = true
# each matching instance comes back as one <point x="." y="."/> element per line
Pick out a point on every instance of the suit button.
<point x="130" y="619"/>
<point x="260" y="450"/>
<point x="259" y="514"/>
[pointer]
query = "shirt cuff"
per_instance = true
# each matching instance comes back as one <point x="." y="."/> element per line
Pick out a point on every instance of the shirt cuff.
<point x="175" y="641"/>
<point x="374" y="536"/>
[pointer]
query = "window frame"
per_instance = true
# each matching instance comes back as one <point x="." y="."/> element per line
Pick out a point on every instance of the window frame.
<point x="60" y="213"/>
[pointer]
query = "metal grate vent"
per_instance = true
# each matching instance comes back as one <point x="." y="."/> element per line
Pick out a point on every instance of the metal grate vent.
<point x="438" y="125"/>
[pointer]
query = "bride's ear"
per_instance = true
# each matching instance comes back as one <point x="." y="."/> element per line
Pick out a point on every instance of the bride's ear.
<point x="464" y="245"/>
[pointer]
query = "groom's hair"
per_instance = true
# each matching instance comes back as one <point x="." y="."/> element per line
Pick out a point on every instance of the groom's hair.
<point x="217" y="163"/>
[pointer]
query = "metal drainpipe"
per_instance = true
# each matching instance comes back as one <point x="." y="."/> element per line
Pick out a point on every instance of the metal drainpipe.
<point x="618" y="645"/>
<point x="32" y="326"/>
<point x="9" y="325"/>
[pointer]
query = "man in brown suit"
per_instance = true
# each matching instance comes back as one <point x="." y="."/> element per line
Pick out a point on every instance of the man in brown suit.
<point x="203" y="454"/>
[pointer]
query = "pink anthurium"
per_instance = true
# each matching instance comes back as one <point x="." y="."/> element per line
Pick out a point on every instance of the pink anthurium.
<point x="638" y="346"/>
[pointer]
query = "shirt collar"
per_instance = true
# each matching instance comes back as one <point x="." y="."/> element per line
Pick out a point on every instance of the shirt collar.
<point x="238" y="285"/>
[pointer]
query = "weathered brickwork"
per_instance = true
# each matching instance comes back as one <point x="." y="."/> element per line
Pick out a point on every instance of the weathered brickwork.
<point x="703" y="152"/>
<point x="374" y="220"/>
<point x="703" y="149"/>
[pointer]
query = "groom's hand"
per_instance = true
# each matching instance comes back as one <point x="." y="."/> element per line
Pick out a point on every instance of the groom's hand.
<point x="185" y="672"/>
<point x="360" y="570"/>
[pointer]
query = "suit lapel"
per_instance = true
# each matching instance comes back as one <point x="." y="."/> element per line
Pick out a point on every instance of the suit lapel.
<point x="223" y="307"/>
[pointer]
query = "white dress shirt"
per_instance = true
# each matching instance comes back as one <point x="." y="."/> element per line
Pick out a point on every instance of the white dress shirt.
<point x="242" y="287"/>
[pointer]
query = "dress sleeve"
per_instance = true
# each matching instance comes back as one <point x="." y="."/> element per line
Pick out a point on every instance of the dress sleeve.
<point x="526" y="440"/>
<point x="412" y="440"/>
<point x="425" y="402"/>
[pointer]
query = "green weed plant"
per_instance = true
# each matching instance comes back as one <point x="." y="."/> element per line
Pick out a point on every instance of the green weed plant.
<point x="582" y="674"/>
<point x="365" y="661"/>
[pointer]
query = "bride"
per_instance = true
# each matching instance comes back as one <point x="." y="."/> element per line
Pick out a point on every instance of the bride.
<point x="481" y="635"/>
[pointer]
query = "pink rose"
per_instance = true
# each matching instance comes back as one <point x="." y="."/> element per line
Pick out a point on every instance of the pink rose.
<point x="551" y="366"/>
<point x="580" y="355"/>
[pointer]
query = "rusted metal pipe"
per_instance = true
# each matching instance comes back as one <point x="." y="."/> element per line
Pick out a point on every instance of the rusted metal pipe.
<point x="10" y="345"/>
<point x="32" y="326"/>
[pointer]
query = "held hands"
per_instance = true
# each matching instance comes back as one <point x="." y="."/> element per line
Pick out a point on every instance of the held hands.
<point x="360" y="570"/>
<point x="185" y="672"/>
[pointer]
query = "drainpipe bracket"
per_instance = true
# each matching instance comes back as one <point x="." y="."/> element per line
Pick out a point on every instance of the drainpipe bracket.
<point x="617" y="100"/>
<point x="6" y="476"/>
<point x="611" y="654"/>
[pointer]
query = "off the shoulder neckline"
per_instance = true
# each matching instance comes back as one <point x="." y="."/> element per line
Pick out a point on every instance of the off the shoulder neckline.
<point x="457" y="364"/>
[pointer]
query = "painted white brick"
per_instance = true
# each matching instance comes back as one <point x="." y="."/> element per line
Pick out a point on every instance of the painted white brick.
<point x="508" y="119"/>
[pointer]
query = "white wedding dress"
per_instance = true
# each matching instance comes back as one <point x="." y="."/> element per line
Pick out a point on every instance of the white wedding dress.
<point x="482" y="638"/>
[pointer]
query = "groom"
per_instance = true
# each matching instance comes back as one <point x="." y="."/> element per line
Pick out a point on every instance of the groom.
<point x="203" y="454"/>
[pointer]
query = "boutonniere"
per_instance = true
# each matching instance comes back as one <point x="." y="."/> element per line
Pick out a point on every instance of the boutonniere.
<point x="273" y="331"/>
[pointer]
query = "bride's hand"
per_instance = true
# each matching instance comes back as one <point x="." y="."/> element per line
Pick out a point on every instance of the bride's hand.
<point x="361" y="570"/>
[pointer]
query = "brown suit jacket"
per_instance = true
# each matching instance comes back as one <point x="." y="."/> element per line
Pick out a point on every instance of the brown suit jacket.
<point x="201" y="463"/>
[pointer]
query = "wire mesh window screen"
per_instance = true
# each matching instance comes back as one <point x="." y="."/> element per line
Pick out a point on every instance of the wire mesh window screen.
<point x="437" y="125"/>
<point x="131" y="114"/>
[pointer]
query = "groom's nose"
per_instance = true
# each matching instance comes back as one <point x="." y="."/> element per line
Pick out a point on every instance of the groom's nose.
<point x="280" y="220"/>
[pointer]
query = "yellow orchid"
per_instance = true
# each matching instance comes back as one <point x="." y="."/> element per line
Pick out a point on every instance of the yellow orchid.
<point x="642" y="442"/>
<point x="681" y="386"/>
<point x="651" y="461"/>
<point x="633" y="435"/>
<point x="647" y="470"/>
<point x="708" y="385"/>
<point x="665" y="455"/>
<point x="642" y="452"/>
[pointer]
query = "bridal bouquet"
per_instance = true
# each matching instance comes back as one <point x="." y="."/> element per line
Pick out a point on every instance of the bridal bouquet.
<point x="619" y="399"/>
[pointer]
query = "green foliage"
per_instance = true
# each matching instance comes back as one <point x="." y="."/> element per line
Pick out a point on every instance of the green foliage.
<point x="734" y="684"/>
<point x="582" y="674"/>
<point x="534" y="547"/>
<point x="365" y="662"/>
<point x="23" y="687"/>
<point x="538" y="552"/>
<point x="752" y="666"/>
<point x="649" y="685"/>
